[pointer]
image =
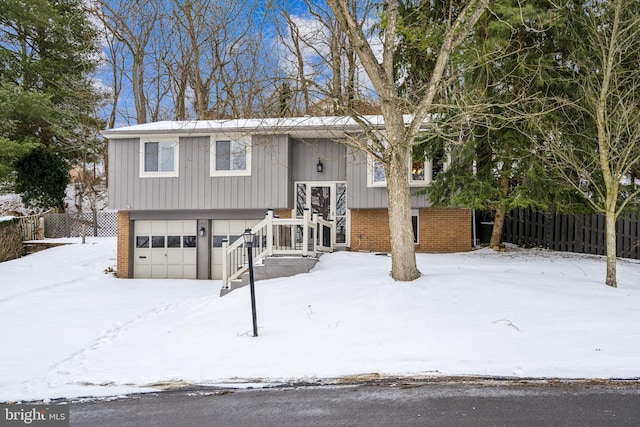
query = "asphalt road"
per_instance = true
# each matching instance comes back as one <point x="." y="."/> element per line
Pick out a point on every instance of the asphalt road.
<point x="487" y="403"/>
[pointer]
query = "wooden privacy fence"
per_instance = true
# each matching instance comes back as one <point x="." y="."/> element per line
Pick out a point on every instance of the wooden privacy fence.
<point x="582" y="233"/>
<point x="29" y="226"/>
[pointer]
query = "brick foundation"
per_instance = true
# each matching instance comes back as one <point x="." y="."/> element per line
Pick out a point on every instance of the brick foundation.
<point x="282" y="213"/>
<point x="123" y="269"/>
<point x="439" y="230"/>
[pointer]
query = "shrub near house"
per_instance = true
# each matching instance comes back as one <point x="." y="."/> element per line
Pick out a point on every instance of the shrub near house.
<point x="11" y="246"/>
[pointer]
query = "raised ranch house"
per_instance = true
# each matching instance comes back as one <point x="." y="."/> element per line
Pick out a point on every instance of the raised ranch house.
<point x="186" y="191"/>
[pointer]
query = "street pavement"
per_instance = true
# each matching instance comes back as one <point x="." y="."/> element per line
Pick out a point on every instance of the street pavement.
<point x="384" y="403"/>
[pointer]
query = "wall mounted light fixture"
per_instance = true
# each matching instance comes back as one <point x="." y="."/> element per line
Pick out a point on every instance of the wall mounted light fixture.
<point x="202" y="232"/>
<point x="319" y="166"/>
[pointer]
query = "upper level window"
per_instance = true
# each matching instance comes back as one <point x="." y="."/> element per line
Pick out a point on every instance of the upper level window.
<point x="421" y="170"/>
<point x="159" y="157"/>
<point x="231" y="156"/>
<point x="378" y="175"/>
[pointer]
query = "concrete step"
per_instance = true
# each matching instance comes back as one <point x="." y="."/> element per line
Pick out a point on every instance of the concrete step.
<point x="234" y="284"/>
<point x="274" y="267"/>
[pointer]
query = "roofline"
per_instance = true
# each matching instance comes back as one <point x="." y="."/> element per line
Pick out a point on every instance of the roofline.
<point x="334" y="126"/>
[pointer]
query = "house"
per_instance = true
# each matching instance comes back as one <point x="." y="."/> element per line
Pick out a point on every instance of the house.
<point x="185" y="190"/>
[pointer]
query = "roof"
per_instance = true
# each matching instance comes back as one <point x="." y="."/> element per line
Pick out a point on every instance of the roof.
<point x="296" y="126"/>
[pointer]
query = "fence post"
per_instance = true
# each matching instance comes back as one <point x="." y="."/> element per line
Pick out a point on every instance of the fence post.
<point x="305" y="231"/>
<point x="317" y="234"/>
<point x="225" y="262"/>
<point x="95" y="222"/>
<point x="41" y="228"/>
<point x="67" y="224"/>
<point x="270" y="226"/>
<point x="579" y="232"/>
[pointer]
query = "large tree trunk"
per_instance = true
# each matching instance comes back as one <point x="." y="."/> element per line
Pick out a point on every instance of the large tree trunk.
<point x="403" y="258"/>
<point x="501" y="211"/>
<point x="496" y="232"/>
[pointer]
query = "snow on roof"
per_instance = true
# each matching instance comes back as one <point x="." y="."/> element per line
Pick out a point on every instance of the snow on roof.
<point x="282" y="125"/>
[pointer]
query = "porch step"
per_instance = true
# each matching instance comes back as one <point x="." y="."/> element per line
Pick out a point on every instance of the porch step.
<point x="274" y="267"/>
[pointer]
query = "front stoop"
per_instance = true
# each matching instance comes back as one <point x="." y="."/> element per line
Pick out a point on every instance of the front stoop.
<point x="274" y="267"/>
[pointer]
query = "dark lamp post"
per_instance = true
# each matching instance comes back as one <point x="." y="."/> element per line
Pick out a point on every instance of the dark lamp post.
<point x="248" y="243"/>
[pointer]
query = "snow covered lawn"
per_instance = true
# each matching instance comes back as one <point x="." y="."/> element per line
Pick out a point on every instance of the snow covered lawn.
<point x="69" y="329"/>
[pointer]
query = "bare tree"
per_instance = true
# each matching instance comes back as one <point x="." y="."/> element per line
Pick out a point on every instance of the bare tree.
<point x="320" y="66"/>
<point x="132" y="24"/>
<point x="596" y="149"/>
<point x="393" y="148"/>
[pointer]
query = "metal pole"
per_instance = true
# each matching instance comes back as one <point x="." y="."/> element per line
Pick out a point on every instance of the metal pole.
<point x="253" y="289"/>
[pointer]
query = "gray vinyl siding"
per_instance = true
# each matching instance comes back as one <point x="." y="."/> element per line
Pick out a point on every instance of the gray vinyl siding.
<point x="194" y="188"/>
<point x="304" y="158"/>
<point x="360" y="196"/>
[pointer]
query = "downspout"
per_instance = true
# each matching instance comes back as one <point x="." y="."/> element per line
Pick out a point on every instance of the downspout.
<point x="473" y="229"/>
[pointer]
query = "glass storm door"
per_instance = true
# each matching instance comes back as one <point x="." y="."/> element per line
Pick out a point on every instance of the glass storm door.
<point x="328" y="199"/>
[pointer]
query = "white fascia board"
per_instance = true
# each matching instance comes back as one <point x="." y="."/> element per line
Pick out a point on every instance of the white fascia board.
<point x="318" y="126"/>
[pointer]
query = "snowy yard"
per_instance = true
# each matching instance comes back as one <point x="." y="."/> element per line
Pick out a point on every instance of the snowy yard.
<point x="70" y="329"/>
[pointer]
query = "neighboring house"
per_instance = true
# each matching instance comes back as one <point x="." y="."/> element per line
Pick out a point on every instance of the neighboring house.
<point x="181" y="188"/>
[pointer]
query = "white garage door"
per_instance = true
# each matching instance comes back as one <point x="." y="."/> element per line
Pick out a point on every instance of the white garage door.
<point x="225" y="229"/>
<point x="165" y="249"/>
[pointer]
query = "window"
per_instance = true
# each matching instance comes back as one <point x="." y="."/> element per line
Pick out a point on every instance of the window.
<point x="421" y="170"/>
<point x="378" y="175"/>
<point x="231" y="156"/>
<point x="188" y="241"/>
<point x="173" y="241"/>
<point x="157" y="241"/>
<point x="142" y="241"/>
<point x="414" y="225"/>
<point x="158" y="157"/>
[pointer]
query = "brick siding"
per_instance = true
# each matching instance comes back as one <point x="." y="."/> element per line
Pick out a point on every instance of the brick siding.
<point x="439" y="230"/>
<point x="282" y="213"/>
<point x="123" y="269"/>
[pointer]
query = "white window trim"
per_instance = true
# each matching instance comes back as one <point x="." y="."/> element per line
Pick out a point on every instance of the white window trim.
<point x="370" y="175"/>
<point x="428" y="173"/>
<point x="173" y="139"/>
<point x="246" y="140"/>
<point x="416" y="213"/>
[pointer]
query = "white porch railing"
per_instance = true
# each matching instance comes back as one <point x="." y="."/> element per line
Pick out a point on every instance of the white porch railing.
<point x="304" y="236"/>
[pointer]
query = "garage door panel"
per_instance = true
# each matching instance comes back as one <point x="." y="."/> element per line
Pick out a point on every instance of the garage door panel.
<point x="174" y="272"/>
<point x="143" y="271"/>
<point x="143" y="227"/>
<point x="189" y="271"/>
<point x="190" y="256"/>
<point x="159" y="227"/>
<point x="175" y="227"/>
<point x="174" y="256"/>
<point x="216" y="271"/>
<point x="158" y="271"/>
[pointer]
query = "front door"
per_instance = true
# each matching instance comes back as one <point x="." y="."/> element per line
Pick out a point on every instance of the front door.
<point x="328" y="199"/>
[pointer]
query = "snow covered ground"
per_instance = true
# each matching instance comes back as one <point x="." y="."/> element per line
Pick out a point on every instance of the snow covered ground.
<point x="69" y="329"/>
